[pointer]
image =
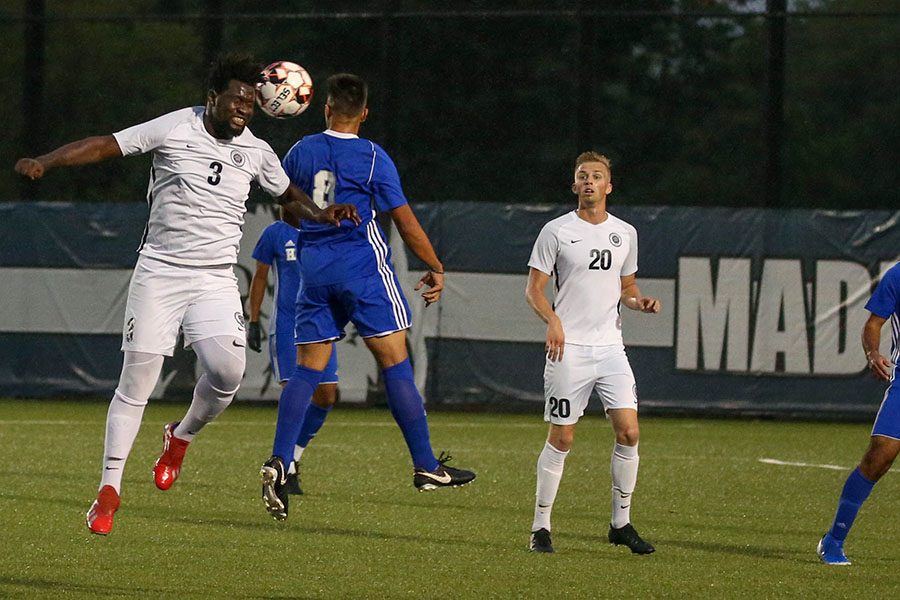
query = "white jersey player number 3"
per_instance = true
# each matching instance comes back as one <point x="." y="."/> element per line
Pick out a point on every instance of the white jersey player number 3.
<point x="323" y="189"/>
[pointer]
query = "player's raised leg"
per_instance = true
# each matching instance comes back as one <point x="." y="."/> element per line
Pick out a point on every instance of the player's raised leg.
<point x="123" y="420"/>
<point x="408" y="410"/>
<point x="222" y="362"/>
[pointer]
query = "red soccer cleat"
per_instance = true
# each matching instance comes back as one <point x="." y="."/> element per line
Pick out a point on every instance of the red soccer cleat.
<point x="100" y="517"/>
<point x="168" y="465"/>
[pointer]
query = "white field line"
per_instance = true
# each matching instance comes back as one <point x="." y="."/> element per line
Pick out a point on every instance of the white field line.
<point x="788" y="463"/>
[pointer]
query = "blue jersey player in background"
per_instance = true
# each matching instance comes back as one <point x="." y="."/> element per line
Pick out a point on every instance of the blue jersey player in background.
<point x="885" y="441"/>
<point x="348" y="277"/>
<point x="277" y="246"/>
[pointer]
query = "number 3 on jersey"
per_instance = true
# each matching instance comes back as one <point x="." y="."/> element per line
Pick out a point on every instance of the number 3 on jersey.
<point x="323" y="189"/>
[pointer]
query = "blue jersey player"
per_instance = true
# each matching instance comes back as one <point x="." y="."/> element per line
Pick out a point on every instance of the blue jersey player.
<point x="348" y="276"/>
<point x="885" y="441"/>
<point x="277" y="247"/>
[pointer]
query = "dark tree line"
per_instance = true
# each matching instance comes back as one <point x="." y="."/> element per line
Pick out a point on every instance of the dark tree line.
<point x="492" y="100"/>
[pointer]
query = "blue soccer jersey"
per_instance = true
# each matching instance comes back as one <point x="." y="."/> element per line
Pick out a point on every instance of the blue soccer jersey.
<point x="885" y="303"/>
<point x="331" y="168"/>
<point x="277" y="247"/>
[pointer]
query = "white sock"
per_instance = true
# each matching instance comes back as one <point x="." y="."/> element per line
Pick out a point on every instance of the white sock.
<point x="549" y="472"/>
<point x="298" y="452"/>
<point x="207" y="404"/>
<point x="123" y="420"/>
<point x="624" y="469"/>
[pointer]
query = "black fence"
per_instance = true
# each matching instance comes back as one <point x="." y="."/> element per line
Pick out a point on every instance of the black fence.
<point x="703" y="102"/>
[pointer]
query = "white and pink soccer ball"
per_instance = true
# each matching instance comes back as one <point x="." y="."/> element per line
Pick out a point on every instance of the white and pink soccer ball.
<point x="285" y="91"/>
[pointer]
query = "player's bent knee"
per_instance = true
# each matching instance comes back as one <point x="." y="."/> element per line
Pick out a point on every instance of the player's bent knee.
<point x="877" y="462"/>
<point x="628" y="437"/>
<point x="325" y="395"/>
<point x="225" y="379"/>
<point x="121" y="397"/>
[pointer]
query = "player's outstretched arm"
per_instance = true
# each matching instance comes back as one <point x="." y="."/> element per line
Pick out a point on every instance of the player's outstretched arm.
<point x="257" y="293"/>
<point x="633" y="299"/>
<point x="537" y="300"/>
<point x="414" y="236"/>
<point x="295" y="201"/>
<point x="871" y="341"/>
<point x="83" y="152"/>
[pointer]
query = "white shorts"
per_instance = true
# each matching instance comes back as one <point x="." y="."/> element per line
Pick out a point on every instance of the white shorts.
<point x="568" y="383"/>
<point x="203" y="301"/>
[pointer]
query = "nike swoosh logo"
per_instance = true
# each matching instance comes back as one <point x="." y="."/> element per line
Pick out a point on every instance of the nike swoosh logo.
<point x="624" y="505"/>
<point x="113" y="468"/>
<point x="574" y="241"/>
<point x="236" y="344"/>
<point x="445" y="478"/>
<point x="544" y="505"/>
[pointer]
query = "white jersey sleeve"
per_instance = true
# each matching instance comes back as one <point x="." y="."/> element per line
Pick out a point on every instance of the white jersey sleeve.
<point x="150" y="135"/>
<point x="271" y="177"/>
<point x="546" y="249"/>
<point x="630" y="264"/>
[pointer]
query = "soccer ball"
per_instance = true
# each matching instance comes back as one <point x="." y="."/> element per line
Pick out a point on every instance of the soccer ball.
<point x="285" y="91"/>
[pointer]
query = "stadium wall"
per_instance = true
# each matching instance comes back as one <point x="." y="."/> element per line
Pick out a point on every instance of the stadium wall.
<point x="762" y="310"/>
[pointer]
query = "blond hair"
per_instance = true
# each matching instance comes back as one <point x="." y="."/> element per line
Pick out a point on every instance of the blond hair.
<point x="591" y="156"/>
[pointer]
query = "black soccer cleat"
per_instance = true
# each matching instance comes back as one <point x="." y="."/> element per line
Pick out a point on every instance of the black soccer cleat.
<point x="442" y="476"/>
<point x="274" y="488"/>
<point x="540" y="541"/>
<point x="627" y="536"/>
<point x="292" y="483"/>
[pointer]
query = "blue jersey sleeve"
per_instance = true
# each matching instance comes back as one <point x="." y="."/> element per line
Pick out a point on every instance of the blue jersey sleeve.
<point x="297" y="168"/>
<point x="386" y="182"/>
<point x="264" y="251"/>
<point x="886" y="297"/>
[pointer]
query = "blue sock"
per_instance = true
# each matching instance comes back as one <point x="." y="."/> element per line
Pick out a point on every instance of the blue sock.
<point x="855" y="492"/>
<point x="409" y="412"/>
<point x="312" y="423"/>
<point x="292" y="405"/>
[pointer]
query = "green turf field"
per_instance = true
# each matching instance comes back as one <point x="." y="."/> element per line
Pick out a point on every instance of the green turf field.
<point x="725" y="525"/>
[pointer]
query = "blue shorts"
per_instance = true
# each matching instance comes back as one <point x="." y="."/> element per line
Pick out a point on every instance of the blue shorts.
<point x="887" y="423"/>
<point x="374" y="304"/>
<point x="283" y="356"/>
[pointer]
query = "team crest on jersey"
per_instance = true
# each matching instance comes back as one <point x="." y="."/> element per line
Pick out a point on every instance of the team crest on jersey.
<point x="615" y="239"/>
<point x="290" y="251"/>
<point x="237" y="158"/>
<point x="239" y="317"/>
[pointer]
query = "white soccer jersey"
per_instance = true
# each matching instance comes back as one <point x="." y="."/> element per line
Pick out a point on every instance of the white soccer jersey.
<point x="199" y="186"/>
<point x="588" y="262"/>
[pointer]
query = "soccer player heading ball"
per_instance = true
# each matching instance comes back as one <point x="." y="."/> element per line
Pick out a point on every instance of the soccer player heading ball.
<point x="348" y="276"/>
<point x="204" y="160"/>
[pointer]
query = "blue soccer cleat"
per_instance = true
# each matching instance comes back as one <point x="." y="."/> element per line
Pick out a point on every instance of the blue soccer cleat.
<point x="831" y="551"/>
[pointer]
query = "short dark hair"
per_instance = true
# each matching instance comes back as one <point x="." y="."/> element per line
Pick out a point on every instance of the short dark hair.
<point x="347" y="94"/>
<point x="226" y="67"/>
<point x="592" y="156"/>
